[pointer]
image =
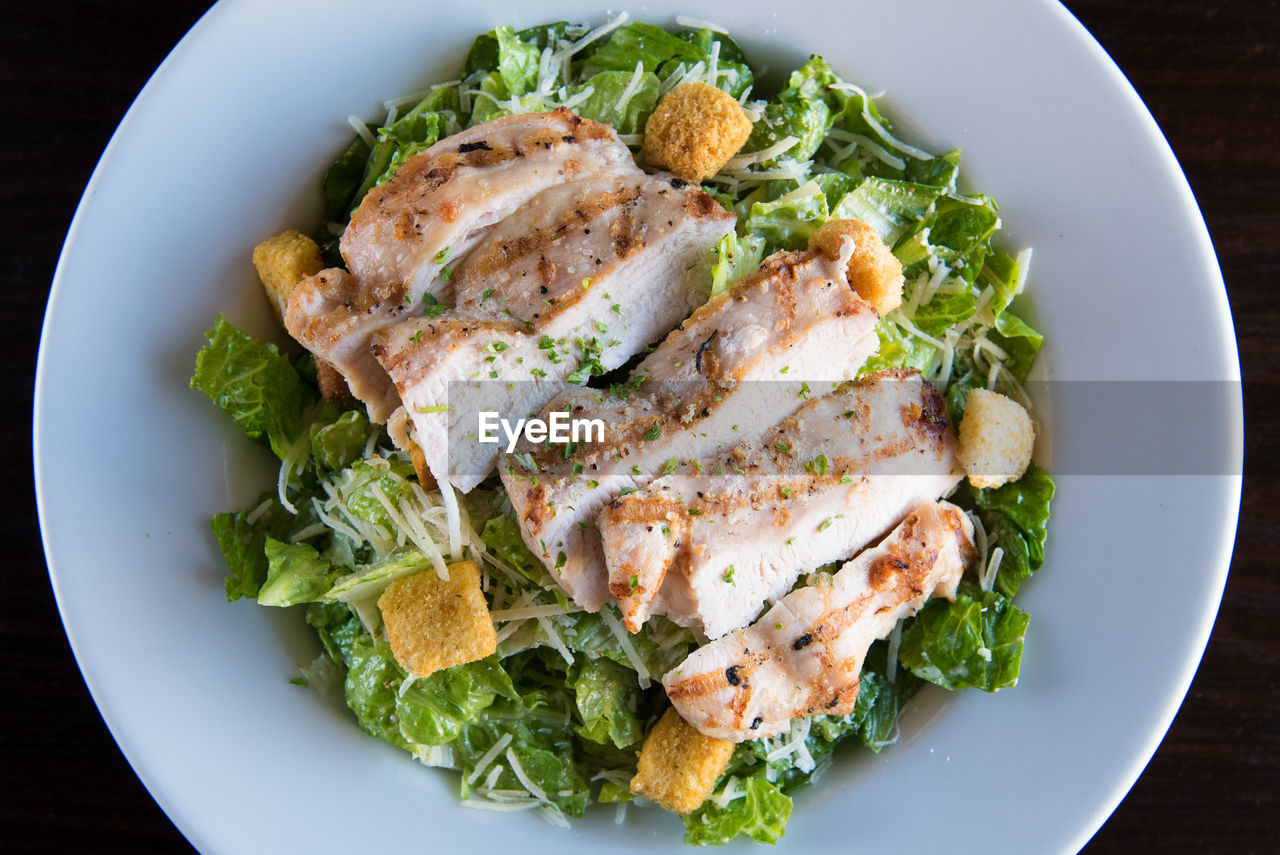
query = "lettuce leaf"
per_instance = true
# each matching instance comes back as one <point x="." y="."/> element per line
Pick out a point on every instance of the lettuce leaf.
<point x="736" y="256"/>
<point x="761" y="814"/>
<point x="338" y="442"/>
<point x="605" y="103"/>
<point x="1026" y="504"/>
<point x="242" y="538"/>
<point x="296" y="573"/>
<point x="787" y="222"/>
<point x="254" y="383"/>
<point x="801" y="111"/>
<point x="890" y="207"/>
<point x="607" y="698"/>
<point x="436" y="709"/>
<point x="974" y="641"/>
<point x="370" y="687"/>
<point x="638" y="42"/>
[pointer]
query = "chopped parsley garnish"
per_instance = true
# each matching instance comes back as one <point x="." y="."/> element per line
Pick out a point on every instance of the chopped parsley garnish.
<point x="652" y="433"/>
<point x="670" y="466"/>
<point x="431" y="307"/>
<point x="727" y="575"/>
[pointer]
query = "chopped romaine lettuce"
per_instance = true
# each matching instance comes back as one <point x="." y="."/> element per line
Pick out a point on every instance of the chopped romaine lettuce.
<point x="296" y="573"/>
<point x="758" y="810"/>
<point x="975" y="641"/>
<point x="255" y="384"/>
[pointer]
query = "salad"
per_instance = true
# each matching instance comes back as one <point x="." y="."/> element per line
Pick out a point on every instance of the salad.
<point x="553" y="720"/>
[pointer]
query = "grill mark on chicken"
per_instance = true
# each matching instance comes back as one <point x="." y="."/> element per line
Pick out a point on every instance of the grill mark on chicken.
<point x="483" y="265"/>
<point x="439" y="204"/>
<point x="873" y="472"/>
<point x="689" y="400"/>
<point x="804" y="655"/>
<point x="523" y="284"/>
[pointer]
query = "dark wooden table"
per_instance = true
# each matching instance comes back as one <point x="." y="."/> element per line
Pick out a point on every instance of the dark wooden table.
<point x="1209" y="72"/>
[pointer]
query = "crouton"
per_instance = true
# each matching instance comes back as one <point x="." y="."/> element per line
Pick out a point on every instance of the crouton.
<point x="282" y="262"/>
<point x="679" y="766"/>
<point x="873" y="270"/>
<point x="996" y="439"/>
<point x="694" y="131"/>
<point x="434" y="624"/>
<point x="333" y="386"/>
<point x="420" y="468"/>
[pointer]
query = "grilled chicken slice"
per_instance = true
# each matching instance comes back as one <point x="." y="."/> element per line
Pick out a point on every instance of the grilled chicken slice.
<point x="428" y="216"/>
<point x="583" y="277"/>
<point x="730" y="372"/>
<point x="709" y="544"/>
<point x="804" y="655"/>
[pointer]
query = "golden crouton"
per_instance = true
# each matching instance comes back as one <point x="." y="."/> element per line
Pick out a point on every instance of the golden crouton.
<point x="333" y="386"/>
<point x="694" y="131"/>
<point x="433" y="624"/>
<point x="420" y="468"/>
<point x="679" y="766"/>
<point x="996" y="438"/>
<point x="874" y="272"/>
<point x="282" y="262"/>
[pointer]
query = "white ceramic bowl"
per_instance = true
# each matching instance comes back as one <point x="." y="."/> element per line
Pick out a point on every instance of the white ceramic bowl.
<point x="224" y="146"/>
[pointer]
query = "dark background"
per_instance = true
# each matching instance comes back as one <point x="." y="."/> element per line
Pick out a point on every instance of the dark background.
<point x="1209" y="72"/>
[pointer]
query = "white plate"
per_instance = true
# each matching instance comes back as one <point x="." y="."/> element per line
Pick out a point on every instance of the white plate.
<point x="225" y="145"/>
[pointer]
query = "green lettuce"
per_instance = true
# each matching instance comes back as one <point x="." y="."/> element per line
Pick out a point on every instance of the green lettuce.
<point x="787" y="222"/>
<point x="736" y="256"/>
<point x="761" y="813"/>
<point x="607" y="697"/>
<point x="639" y="42"/>
<point x="296" y="573"/>
<point x="1016" y="517"/>
<point x="890" y="207"/>
<point x="436" y="709"/>
<point x="255" y="384"/>
<point x="802" y="111"/>
<point x="338" y="442"/>
<point x="974" y="641"/>
<point x="605" y="103"/>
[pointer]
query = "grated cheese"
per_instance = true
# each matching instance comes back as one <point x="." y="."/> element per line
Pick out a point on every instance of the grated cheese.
<point x="891" y="659"/>
<point x="880" y="130"/>
<point x="699" y="24"/>
<point x="988" y="580"/>
<point x="553" y="638"/>
<point x="488" y="757"/>
<point x="602" y="30"/>
<point x="1024" y="264"/>
<point x="362" y="129"/>
<point x="480" y="804"/>
<point x="633" y="85"/>
<point x="628" y="649"/>
<point x="534" y="790"/>
<point x="549" y="610"/>
<point x="742" y="161"/>
<point x="881" y="153"/>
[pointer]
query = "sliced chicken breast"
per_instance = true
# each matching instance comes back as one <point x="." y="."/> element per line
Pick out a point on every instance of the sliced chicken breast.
<point x="731" y="371"/>
<point x="804" y="656"/>
<point x="409" y="233"/>
<point x="578" y="281"/>
<point x="709" y="544"/>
